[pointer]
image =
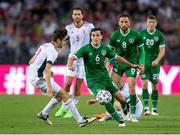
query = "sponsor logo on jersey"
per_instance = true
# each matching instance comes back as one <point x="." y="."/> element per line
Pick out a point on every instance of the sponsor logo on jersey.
<point x="90" y="54"/>
<point x="103" y="52"/>
<point x="144" y="38"/>
<point x="156" y="39"/>
<point x="131" y="40"/>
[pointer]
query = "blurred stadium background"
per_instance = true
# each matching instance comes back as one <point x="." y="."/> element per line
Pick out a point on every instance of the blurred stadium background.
<point x="24" y="24"/>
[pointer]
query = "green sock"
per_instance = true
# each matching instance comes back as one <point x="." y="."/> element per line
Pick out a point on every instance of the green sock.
<point x="123" y="105"/>
<point x="145" y="97"/>
<point x="133" y="104"/>
<point x="111" y="110"/>
<point x="154" y="98"/>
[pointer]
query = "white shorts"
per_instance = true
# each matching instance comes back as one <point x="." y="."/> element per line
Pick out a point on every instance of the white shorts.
<point x="40" y="83"/>
<point x="79" y="71"/>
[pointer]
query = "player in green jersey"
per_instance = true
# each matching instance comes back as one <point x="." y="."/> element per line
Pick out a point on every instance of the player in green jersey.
<point x="125" y="42"/>
<point x="97" y="76"/>
<point x="154" y="46"/>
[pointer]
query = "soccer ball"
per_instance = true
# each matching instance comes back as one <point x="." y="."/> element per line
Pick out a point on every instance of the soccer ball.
<point x="103" y="97"/>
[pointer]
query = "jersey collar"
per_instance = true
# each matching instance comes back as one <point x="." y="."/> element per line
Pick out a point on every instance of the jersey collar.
<point x="78" y="26"/>
<point x="151" y="32"/>
<point x="96" y="46"/>
<point x="126" y="33"/>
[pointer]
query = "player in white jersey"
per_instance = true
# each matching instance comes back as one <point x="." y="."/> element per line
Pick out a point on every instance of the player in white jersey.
<point x="79" y="33"/>
<point x="40" y="77"/>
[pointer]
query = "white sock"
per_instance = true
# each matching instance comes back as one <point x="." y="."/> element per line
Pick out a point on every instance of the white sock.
<point x="52" y="103"/>
<point x="71" y="106"/>
<point x="76" y="99"/>
<point x="63" y="106"/>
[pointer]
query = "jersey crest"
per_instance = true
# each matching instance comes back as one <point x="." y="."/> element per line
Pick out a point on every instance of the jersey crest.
<point x="156" y="39"/>
<point x="131" y="40"/>
<point x="103" y="52"/>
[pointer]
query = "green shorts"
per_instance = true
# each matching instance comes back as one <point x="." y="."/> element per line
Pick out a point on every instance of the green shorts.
<point x="119" y="69"/>
<point x="151" y="73"/>
<point x="107" y="84"/>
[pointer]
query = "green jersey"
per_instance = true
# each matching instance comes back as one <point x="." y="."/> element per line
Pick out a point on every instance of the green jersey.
<point x="94" y="61"/>
<point x="152" y="43"/>
<point x="126" y="45"/>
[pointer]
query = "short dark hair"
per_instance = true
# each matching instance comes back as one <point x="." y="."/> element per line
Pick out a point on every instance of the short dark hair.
<point x="59" y="34"/>
<point x="77" y="8"/>
<point x="152" y="17"/>
<point x="96" y="29"/>
<point x="124" y="15"/>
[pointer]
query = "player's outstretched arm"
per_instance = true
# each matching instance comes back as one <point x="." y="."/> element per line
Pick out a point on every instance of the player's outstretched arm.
<point x="71" y="59"/>
<point x="122" y="60"/>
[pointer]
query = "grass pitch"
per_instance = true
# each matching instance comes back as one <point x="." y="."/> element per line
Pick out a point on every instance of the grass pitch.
<point x="18" y="115"/>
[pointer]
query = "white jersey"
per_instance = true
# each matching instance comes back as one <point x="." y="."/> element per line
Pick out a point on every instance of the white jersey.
<point x="79" y="37"/>
<point x="45" y="53"/>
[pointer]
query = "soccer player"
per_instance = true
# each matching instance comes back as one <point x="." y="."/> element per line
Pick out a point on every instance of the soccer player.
<point x="154" y="45"/>
<point x="79" y="32"/>
<point x="125" y="42"/>
<point x="40" y="77"/>
<point x="97" y="76"/>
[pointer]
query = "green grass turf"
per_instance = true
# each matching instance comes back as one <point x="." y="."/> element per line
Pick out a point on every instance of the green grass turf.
<point x="18" y="115"/>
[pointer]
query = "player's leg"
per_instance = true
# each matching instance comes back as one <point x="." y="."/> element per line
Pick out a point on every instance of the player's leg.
<point x="154" y="80"/>
<point x="44" y="114"/>
<point x="131" y="80"/>
<point x="68" y="103"/>
<point x="109" y="107"/>
<point x="63" y="110"/>
<point x="145" y="97"/>
<point x="76" y="96"/>
<point x="131" y="84"/>
<point x="80" y="74"/>
<point x="112" y="87"/>
<point x="145" y="94"/>
<point x="139" y="109"/>
<point x="77" y="91"/>
<point x="154" y="98"/>
<point x="117" y="78"/>
<point x="80" y="77"/>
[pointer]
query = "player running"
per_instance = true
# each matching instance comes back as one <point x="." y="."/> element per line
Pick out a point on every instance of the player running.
<point x="97" y="76"/>
<point x="40" y="77"/>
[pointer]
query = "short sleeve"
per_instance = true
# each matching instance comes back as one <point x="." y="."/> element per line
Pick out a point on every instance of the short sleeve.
<point x="139" y="42"/>
<point x="161" y="40"/>
<point x="51" y="55"/>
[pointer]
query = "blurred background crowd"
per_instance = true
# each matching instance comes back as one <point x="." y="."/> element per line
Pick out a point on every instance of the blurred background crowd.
<point x="25" y="24"/>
